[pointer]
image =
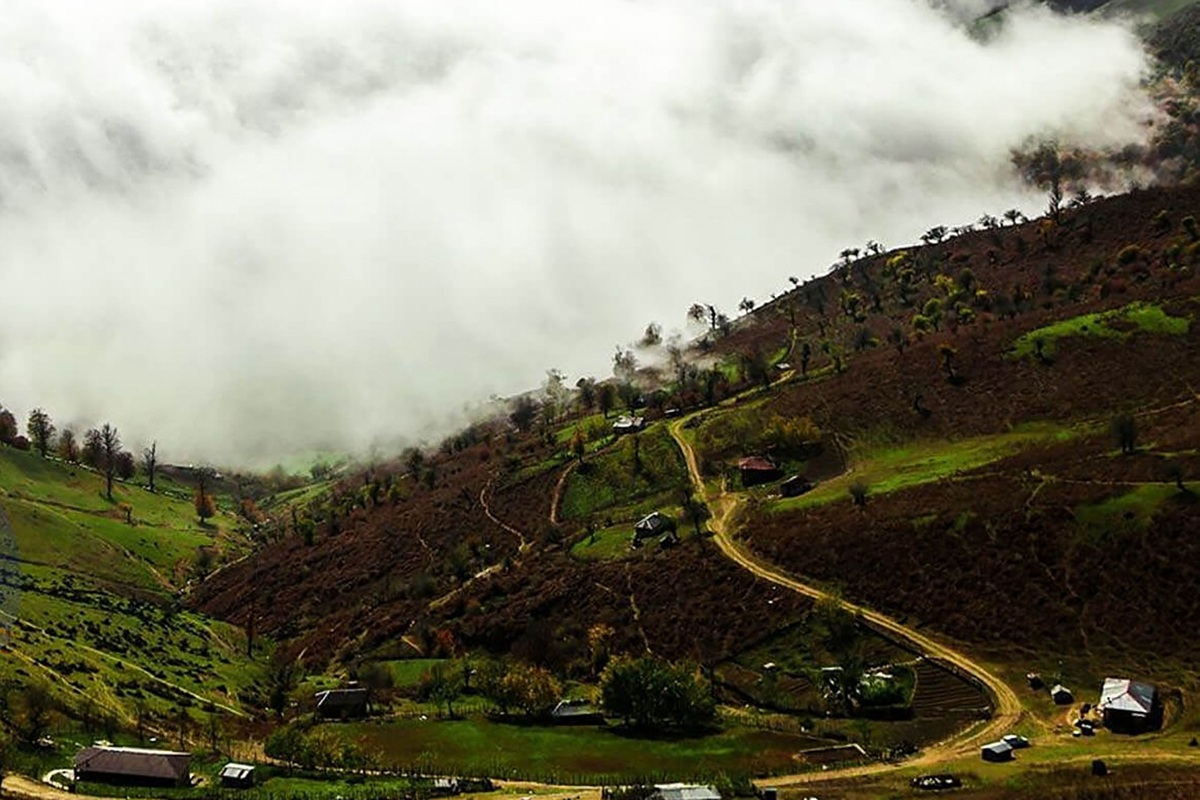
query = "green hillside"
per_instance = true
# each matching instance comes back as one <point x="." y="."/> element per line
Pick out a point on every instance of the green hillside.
<point x="93" y="593"/>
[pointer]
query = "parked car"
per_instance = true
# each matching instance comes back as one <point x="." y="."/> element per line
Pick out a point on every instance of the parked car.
<point x="1016" y="742"/>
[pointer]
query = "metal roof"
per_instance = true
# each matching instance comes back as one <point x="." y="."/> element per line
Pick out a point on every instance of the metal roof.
<point x="134" y="762"/>
<point x="686" y="791"/>
<point x="999" y="748"/>
<point x="653" y="522"/>
<point x="237" y="772"/>
<point x="1122" y="694"/>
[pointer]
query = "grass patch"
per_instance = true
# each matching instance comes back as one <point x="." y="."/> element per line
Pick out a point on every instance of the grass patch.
<point x="613" y="542"/>
<point x="1144" y="317"/>
<point x="892" y="469"/>
<point x="611" y="480"/>
<point x="409" y="672"/>
<point x="1130" y="512"/>
<point x="572" y="754"/>
<point x="96" y="596"/>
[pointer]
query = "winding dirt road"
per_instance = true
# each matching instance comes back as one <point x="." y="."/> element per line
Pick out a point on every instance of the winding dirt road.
<point x="724" y="505"/>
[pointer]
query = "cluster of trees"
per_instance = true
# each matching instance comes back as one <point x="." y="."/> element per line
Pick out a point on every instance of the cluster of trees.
<point x="31" y="710"/>
<point x="100" y="448"/>
<point x="739" y="433"/>
<point x="299" y="745"/>
<point x="514" y="686"/>
<point x="648" y="693"/>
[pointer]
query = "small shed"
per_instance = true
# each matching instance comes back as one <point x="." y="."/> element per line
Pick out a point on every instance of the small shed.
<point x="237" y="776"/>
<point x="795" y="486"/>
<point x="996" y="751"/>
<point x="1061" y="695"/>
<point x="348" y="703"/>
<point x="445" y="787"/>
<point x="1129" y="706"/>
<point x="133" y="766"/>
<point x="651" y="525"/>
<point x="685" y="791"/>
<point x="576" y="712"/>
<point x="757" y="470"/>
<point x="628" y="424"/>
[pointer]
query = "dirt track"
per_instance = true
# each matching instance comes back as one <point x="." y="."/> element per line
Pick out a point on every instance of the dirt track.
<point x="724" y="507"/>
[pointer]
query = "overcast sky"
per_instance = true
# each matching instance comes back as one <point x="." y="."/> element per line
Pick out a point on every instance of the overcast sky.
<point x="252" y="227"/>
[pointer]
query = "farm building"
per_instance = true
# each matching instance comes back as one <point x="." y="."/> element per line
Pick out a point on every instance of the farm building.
<point x="349" y="703"/>
<point x="795" y="486"/>
<point x="996" y="751"/>
<point x="576" y="712"/>
<point x="684" y="791"/>
<point x="237" y="776"/>
<point x="628" y="424"/>
<point x="1129" y="706"/>
<point x="1061" y="695"/>
<point x="757" y="470"/>
<point x="652" y="525"/>
<point x="133" y="766"/>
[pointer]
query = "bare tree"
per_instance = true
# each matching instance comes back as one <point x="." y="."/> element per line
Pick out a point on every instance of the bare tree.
<point x="110" y="448"/>
<point x="150" y="462"/>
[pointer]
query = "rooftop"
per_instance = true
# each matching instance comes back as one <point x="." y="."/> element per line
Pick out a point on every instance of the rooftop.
<point x="1122" y="694"/>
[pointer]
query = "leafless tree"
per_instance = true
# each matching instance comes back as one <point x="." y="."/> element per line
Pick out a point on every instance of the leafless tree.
<point x="150" y="462"/>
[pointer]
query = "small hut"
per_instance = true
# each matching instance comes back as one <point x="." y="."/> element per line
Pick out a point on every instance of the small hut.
<point x="795" y="486"/>
<point x="628" y="424"/>
<point x="997" y="752"/>
<point x="237" y="776"/>
<point x="652" y="525"/>
<point x="1061" y="695"/>
<point x="757" y="470"/>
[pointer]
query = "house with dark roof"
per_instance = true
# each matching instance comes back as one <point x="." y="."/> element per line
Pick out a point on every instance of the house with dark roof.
<point x="996" y="751"/>
<point x="133" y="766"/>
<point x="1129" y="706"/>
<point x="652" y="525"/>
<point x="237" y="776"/>
<point x="348" y="703"/>
<point x="758" y="470"/>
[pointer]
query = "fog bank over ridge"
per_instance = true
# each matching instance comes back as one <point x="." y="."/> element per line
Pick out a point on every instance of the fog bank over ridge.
<point x="252" y="228"/>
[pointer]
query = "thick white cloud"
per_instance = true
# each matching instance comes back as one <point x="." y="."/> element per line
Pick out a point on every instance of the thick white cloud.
<point x="249" y="227"/>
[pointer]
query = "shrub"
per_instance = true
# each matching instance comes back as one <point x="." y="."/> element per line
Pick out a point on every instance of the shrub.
<point x="1129" y="255"/>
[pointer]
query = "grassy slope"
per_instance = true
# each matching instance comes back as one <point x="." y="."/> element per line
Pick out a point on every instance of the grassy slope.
<point x="608" y="486"/>
<point x="576" y="754"/>
<point x="96" y="599"/>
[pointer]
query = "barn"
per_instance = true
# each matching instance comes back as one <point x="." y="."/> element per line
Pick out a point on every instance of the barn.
<point x="1129" y="706"/>
<point x="133" y="766"/>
